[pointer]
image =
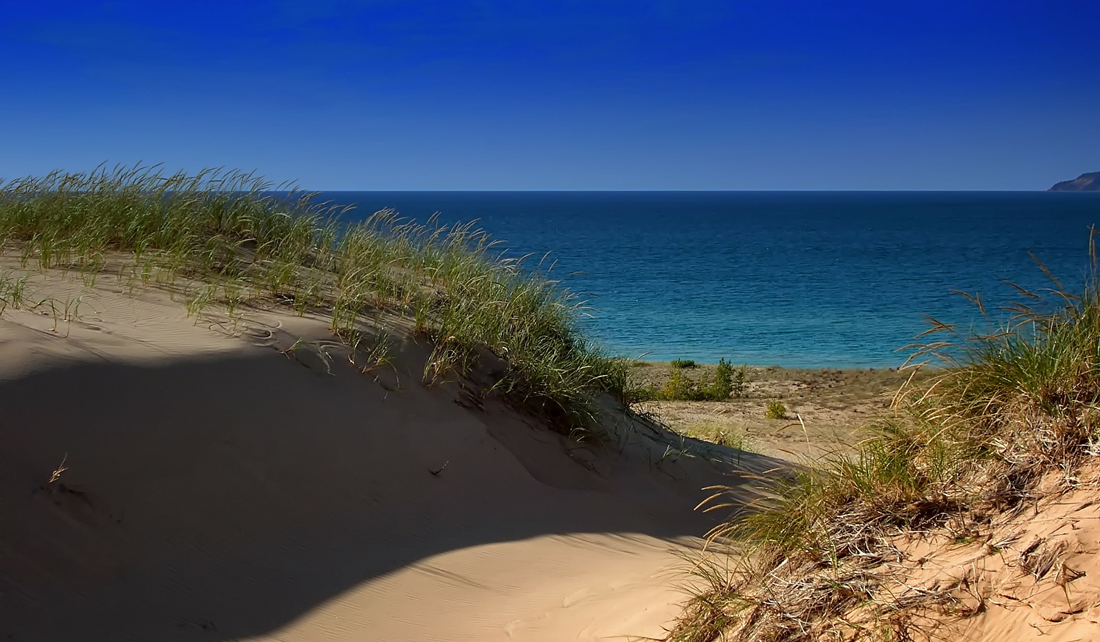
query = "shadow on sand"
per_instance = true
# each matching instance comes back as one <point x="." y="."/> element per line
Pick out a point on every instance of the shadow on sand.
<point x="221" y="498"/>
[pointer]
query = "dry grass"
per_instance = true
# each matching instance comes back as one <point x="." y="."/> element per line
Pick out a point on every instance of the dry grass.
<point x="815" y="556"/>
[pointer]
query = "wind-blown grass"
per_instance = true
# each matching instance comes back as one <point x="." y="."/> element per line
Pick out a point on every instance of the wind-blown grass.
<point x="1009" y="410"/>
<point x="12" y="291"/>
<point x="235" y="233"/>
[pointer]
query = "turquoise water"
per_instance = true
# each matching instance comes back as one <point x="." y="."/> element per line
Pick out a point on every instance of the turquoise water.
<point x="798" y="279"/>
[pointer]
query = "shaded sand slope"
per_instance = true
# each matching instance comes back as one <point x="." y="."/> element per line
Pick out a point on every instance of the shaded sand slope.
<point x="216" y="489"/>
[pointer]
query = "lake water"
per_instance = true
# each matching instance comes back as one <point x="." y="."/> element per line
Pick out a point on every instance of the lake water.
<point x="798" y="279"/>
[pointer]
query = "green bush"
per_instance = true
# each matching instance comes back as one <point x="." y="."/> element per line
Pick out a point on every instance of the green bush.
<point x="723" y="381"/>
<point x="739" y="381"/>
<point x="638" y="394"/>
<point x="680" y="388"/>
<point x="776" y="410"/>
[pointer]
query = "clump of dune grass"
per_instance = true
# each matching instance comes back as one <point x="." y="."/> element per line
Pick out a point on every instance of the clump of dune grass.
<point x="717" y="433"/>
<point x="815" y="557"/>
<point x="13" y="292"/>
<point x="232" y="238"/>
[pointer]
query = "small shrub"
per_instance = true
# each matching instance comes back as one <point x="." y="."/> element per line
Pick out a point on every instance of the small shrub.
<point x="776" y="410"/>
<point x="638" y="394"/>
<point x="723" y="381"/>
<point x="739" y="382"/>
<point x="679" y="387"/>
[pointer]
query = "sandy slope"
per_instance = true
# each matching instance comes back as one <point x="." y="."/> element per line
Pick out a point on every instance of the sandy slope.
<point x="216" y="489"/>
<point x="1034" y="576"/>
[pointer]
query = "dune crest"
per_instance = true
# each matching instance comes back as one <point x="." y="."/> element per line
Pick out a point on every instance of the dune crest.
<point x="168" y="477"/>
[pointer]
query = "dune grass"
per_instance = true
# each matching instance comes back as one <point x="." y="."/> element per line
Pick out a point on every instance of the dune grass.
<point x="232" y="237"/>
<point x="13" y="291"/>
<point x="811" y="559"/>
<point x="717" y="433"/>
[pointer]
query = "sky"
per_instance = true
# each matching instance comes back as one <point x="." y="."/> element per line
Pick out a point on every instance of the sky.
<point x="581" y="95"/>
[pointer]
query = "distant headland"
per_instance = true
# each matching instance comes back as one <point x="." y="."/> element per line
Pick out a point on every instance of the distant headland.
<point x="1084" y="183"/>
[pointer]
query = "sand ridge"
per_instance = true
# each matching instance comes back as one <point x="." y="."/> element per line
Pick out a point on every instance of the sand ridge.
<point x="221" y="480"/>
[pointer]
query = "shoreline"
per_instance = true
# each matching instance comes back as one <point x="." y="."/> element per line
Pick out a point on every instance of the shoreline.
<point x="770" y="366"/>
<point x="824" y="410"/>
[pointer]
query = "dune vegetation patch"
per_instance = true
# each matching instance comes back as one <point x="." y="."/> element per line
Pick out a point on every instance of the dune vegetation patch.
<point x="232" y="239"/>
<point x="1012" y="418"/>
<point x="719" y="382"/>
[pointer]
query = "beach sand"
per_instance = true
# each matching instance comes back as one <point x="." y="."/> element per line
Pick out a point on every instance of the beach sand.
<point x="166" y="477"/>
<point x="828" y="410"/>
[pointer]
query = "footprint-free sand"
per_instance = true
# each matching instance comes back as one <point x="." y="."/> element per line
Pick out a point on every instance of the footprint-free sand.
<point x="166" y="477"/>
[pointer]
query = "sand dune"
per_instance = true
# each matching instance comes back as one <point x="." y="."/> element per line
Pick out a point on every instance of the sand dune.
<point x="214" y="488"/>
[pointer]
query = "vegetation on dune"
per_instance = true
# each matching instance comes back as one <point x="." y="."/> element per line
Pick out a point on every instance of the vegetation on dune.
<point x="235" y="238"/>
<point x="776" y="410"/>
<point x="12" y="291"/>
<point x="1012" y="416"/>
<point x="682" y="387"/>
<point x="719" y="434"/>
<point x="1008" y="410"/>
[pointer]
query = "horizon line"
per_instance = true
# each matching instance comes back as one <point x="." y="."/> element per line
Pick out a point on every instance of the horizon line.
<point x="616" y="190"/>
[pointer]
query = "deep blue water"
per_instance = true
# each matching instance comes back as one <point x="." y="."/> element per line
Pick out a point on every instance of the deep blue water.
<point x="816" y="279"/>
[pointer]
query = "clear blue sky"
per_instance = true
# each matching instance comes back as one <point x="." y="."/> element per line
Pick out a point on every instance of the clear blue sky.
<point x="585" y="94"/>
